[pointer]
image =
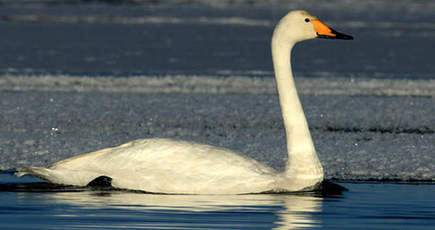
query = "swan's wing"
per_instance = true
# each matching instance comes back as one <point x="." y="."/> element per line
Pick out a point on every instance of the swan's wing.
<point x="76" y="161"/>
<point x="162" y="165"/>
<point x="166" y="166"/>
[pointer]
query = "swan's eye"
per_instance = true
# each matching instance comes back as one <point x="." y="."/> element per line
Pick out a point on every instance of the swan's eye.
<point x="307" y="20"/>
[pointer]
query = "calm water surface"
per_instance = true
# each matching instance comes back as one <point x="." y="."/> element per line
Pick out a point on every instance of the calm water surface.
<point x="391" y="40"/>
<point x="365" y="206"/>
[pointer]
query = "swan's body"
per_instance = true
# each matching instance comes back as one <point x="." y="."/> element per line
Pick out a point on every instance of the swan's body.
<point x="170" y="166"/>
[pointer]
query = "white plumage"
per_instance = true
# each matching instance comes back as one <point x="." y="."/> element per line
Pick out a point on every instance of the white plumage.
<point x="179" y="167"/>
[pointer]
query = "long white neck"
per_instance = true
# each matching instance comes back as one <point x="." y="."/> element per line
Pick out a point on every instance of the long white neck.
<point x="303" y="163"/>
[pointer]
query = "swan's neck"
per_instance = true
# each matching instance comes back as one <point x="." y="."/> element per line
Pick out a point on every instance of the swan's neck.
<point x="303" y="163"/>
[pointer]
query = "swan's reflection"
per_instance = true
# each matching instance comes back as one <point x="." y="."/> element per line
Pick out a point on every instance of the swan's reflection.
<point x="274" y="211"/>
<point x="299" y="212"/>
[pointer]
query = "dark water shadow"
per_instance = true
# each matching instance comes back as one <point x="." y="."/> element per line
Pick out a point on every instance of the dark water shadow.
<point x="32" y="184"/>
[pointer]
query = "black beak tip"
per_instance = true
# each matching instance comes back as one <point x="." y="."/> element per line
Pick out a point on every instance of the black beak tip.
<point x="338" y="35"/>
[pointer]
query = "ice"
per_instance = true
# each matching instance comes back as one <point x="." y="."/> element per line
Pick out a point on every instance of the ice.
<point x="358" y="136"/>
<point x="327" y="85"/>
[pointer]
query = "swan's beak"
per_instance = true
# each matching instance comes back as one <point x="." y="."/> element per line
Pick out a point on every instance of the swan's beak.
<point x="323" y="31"/>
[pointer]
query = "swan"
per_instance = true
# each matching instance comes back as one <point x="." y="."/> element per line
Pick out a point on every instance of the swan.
<point x="169" y="166"/>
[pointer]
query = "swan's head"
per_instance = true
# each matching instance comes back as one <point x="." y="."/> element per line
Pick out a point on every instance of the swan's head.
<point x="299" y="25"/>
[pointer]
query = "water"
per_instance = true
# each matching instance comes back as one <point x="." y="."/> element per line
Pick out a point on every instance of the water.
<point x="365" y="206"/>
<point x="124" y="40"/>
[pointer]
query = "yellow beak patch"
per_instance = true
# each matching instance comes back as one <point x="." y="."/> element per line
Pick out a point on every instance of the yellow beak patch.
<point x="321" y="28"/>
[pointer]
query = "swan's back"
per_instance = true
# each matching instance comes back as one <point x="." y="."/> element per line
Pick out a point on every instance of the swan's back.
<point x="165" y="166"/>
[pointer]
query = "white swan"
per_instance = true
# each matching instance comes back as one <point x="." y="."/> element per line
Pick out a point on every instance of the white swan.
<point x="171" y="166"/>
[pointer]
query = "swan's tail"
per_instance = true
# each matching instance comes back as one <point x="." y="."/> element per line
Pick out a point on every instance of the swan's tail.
<point x="42" y="173"/>
<point x="59" y="176"/>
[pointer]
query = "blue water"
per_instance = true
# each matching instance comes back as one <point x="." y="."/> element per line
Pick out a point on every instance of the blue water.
<point x="364" y="206"/>
<point x="205" y="41"/>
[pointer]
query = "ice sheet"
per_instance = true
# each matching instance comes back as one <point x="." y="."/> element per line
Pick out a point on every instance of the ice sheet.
<point x="358" y="136"/>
